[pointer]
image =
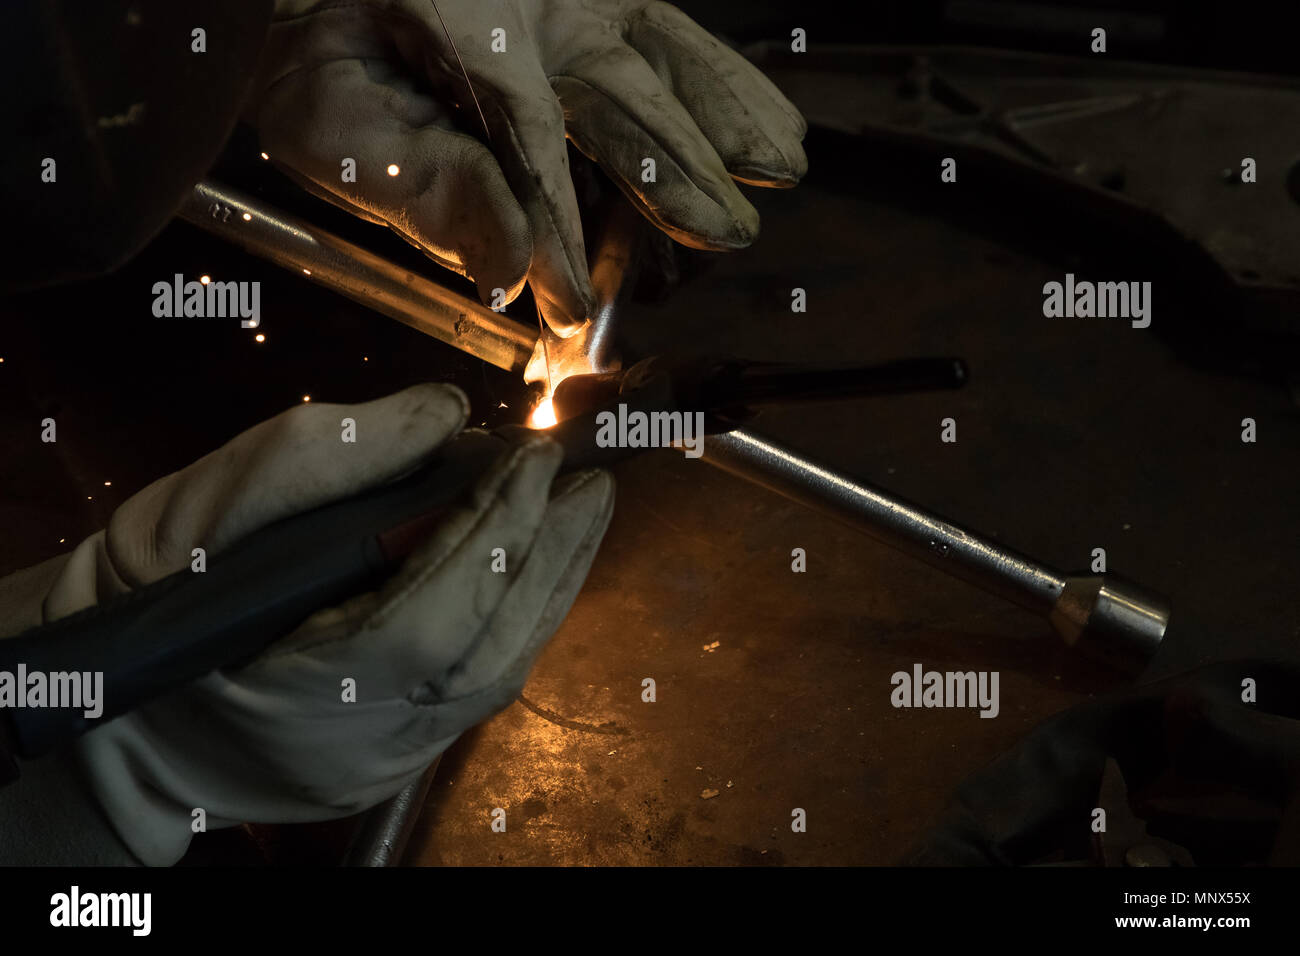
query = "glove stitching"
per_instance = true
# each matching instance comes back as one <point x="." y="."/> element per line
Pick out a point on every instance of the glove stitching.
<point x="401" y="17"/>
<point x="612" y="100"/>
<point x="787" y="109"/>
<point x="683" y="47"/>
<point x="666" y="227"/>
<point x="547" y="203"/>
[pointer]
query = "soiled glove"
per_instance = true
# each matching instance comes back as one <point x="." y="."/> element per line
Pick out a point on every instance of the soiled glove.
<point x="445" y="643"/>
<point x="628" y="80"/>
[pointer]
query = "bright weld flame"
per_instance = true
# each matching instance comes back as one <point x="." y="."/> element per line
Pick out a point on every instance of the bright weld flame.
<point x="566" y="357"/>
<point x="563" y="364"/>
<point x="543" y="416"/>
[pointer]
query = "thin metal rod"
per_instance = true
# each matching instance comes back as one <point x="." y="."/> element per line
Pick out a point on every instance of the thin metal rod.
<point x="887" y="518"/>
<point x="376" y="283"/>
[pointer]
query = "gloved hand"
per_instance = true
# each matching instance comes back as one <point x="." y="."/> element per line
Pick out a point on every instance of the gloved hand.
<point x="444" y="644"/>
<point x="628" y="80"/>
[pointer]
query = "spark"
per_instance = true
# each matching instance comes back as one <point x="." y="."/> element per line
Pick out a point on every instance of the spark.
<point x="259" y="337"/>
<point x="394" y="169"/>
<point x="306" y="398"/>
<point x="108" y="484"/>
<point x="248" y="217"/>
<point x="306" y="272"/>
<point x="205" y="279"/>
<point x="264" y="156"/>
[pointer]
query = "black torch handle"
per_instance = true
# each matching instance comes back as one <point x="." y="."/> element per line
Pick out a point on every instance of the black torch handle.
<point x="165" y="635"/>
<point x="757" y="383"/>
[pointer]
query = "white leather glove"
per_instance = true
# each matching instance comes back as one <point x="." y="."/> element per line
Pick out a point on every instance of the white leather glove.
<point x="628" y="80"/>
<point x="444" y="644"/>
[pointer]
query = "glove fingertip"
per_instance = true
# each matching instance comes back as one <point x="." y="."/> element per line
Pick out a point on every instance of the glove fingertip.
<point x="560" y="318"/>
<point x="595" y="484"/>
<point x="440" y="405"/>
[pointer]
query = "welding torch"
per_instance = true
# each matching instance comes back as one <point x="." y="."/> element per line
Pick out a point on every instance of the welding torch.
<point x="162" y="636"/>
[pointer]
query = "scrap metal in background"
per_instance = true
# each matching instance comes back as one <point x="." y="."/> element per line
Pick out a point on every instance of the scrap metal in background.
<point x="1091" y="140"/>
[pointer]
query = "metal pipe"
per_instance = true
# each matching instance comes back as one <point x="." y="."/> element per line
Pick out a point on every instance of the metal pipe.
<point x="376" y="283"/>
<point x="1107" y="618"/>
<point x="888" y="519"/>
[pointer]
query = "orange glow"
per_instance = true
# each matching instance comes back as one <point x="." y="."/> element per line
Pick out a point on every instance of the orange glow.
<point x="543" y="416"/>
<point x="205" y="279"/>
<point x="393" y="169"/>
<point x="306" y="398"/>
<point x="248" y="217"/>
<point x="553" y="360"/>
<point x="259" y="337"/>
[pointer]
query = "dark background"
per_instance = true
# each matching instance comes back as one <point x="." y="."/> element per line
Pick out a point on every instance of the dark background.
<point x="1071" y="436"/>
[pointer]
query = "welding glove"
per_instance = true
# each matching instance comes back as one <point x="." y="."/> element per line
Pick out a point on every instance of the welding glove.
<point x="446" y="642"/>
<point x="668" y="111"/>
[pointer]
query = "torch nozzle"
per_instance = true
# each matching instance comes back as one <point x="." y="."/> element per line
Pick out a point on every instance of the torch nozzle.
<point x="732" y="386"/>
